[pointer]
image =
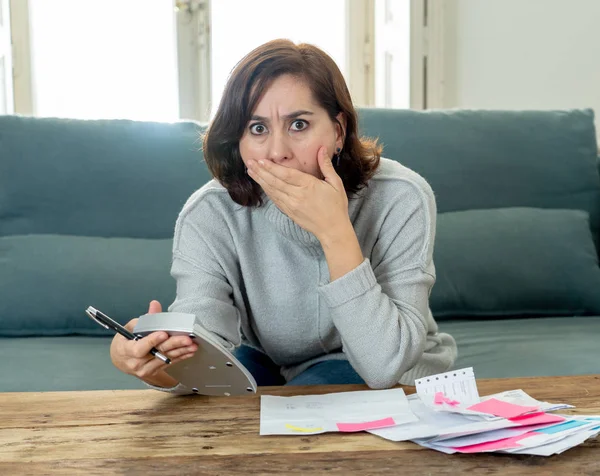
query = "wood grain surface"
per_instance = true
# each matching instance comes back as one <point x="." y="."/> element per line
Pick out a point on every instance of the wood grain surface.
<point x="147" y="432"/>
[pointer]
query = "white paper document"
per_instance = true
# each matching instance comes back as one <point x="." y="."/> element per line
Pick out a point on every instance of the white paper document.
<point x="429" y="425"/>
<point x="346" y="412"/>
<point x="519" y="397"/>
<point x="560" y="446"/>
<point x="478" y="438"/>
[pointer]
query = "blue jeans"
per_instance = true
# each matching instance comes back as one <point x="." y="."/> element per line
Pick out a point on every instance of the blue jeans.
<point x="266" y="373"/>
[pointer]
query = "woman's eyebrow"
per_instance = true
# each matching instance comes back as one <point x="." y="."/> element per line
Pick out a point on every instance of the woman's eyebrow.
<point x="291" y="115"/>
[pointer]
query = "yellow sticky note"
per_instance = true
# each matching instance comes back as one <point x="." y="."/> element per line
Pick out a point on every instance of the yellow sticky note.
<point x="303" y="430"/>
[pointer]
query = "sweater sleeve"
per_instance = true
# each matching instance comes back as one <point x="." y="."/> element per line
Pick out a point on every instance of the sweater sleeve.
<point x="200" y="247"/>
<point x="202" y="286"/>
<point x="381" y="308"/>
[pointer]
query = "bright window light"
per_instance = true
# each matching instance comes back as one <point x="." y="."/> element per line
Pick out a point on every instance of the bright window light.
<point x="239" y="26"/>
<point x="104" y="59"/>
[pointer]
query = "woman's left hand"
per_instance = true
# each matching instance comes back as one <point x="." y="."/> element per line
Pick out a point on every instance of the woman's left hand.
<point x="318" y="206"/>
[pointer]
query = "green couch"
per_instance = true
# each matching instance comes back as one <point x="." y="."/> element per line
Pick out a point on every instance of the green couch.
<point x="87" y="211"/>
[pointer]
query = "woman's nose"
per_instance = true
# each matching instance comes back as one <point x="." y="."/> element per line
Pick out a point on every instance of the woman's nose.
<point x="279" y="148"/>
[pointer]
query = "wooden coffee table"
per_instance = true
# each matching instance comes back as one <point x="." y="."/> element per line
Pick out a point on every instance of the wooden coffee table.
<point x="148" y="432"/>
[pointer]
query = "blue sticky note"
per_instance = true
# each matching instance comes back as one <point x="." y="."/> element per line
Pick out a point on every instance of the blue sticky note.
<point x="567" y="425"/>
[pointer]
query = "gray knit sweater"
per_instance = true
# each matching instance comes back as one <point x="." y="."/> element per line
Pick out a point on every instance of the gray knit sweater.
<point x="252" y="276"/>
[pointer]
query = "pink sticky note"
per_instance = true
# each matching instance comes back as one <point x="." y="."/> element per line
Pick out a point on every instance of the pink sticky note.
<point x="503" y="444"/>
<point x="440" y="398"/>
<point x="367" y="425"/>
<point x="537" y="419"/>
<point x="502" y="409"/>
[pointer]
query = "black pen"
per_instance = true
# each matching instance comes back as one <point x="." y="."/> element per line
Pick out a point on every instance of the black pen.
<point x="109" y="323"/>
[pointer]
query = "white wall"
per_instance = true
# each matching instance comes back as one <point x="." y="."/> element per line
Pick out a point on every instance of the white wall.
<point x="522" y="54"/>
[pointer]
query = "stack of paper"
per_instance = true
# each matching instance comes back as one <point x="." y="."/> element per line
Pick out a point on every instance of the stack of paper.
<point x="446" y="414"/>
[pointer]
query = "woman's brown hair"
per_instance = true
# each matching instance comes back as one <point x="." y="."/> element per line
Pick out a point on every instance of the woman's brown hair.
<point x="248" y="81"/>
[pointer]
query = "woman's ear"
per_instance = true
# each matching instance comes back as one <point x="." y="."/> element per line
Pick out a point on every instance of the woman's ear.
<point x="340" y="127"/>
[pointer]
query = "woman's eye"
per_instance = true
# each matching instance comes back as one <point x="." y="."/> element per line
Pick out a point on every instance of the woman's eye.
<point x="257" y="129"/>
<point x="299" y="125"/>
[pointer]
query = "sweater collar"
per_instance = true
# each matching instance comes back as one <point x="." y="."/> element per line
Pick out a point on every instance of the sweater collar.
<point x="288" y="227"/>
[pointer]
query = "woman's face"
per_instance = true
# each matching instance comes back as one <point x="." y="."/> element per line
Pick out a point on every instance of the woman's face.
<point x="288" y="127"/>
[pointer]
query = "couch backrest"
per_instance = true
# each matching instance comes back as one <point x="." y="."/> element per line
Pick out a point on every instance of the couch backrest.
<point x="493" y="159"/>
<point x="69" y="177"/>
<point x="96" y="178"/>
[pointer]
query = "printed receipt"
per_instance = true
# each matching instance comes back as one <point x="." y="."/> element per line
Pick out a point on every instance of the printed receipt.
<point x="344" y="411"/>
<point x="457" y="385"/>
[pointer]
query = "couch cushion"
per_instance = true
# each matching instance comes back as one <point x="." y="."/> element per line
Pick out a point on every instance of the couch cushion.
<point x="543" y="346"/>
<point x="495" y="348"/>
<point x="96" y="178"/>
<point x="477" y="159"/>
<point x="48" y="281"/>
<point x="515" y="262"/>
<point x="46" y="364"/>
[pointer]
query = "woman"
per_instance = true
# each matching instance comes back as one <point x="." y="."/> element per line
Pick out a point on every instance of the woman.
<point x="308" y="254"/>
